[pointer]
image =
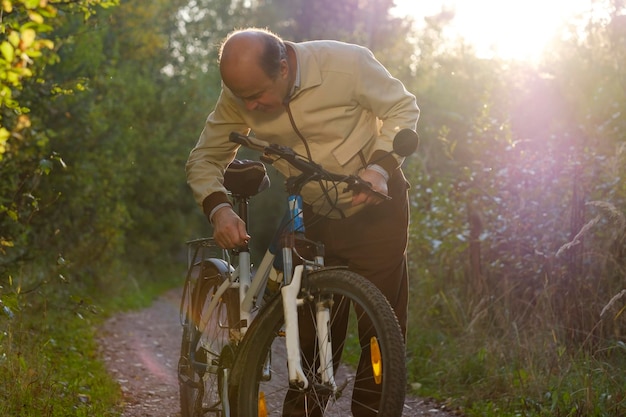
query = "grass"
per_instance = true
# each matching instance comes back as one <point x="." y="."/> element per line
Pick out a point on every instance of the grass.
<point x="50" y="367"/>
<point x="49" y="361"/>
<point x="470" y="362"/>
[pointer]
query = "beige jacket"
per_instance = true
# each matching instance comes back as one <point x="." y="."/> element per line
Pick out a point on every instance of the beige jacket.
<point x="347" y="106"/>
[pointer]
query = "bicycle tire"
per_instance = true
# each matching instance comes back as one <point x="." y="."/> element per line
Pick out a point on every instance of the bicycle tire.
<point x="200" y="390"/>
<point x="264" y="335"/>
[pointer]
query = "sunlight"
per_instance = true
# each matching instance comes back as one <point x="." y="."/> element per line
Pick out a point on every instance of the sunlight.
<point x="496" y="28"/>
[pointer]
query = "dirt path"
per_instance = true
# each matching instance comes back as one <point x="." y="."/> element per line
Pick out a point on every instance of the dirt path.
<point x="141" y="350"/>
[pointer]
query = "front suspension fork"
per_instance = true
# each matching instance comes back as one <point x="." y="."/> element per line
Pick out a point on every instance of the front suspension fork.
<point x="291" y="302"/>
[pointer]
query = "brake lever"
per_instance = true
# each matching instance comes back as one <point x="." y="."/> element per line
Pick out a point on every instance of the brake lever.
<point x="358" y="185"/>
<point x="380" y="195"/>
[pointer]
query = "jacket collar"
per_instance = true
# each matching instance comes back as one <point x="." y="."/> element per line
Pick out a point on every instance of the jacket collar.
<point x="308" y="72"/>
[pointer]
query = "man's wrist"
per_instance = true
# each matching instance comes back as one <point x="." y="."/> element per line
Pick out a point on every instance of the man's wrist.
<point x="377" y="168"/>
<point x="216" y="208"/>
<point x="213" y="200"/>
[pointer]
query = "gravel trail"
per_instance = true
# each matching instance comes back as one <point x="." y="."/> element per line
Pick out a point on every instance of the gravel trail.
<point x="141" y="348"/>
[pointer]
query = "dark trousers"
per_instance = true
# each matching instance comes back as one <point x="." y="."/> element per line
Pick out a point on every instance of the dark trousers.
<point x="373" y="244"/>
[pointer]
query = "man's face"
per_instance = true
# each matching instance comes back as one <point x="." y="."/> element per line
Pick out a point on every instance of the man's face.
<point x="257" y="91"/>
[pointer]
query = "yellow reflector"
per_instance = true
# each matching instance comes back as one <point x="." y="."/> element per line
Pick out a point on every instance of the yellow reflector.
<point x="377" y="363"/>
<point x="262" y="406"/>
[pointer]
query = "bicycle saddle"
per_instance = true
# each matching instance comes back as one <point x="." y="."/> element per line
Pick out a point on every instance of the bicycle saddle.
<point x="246" y="178"/>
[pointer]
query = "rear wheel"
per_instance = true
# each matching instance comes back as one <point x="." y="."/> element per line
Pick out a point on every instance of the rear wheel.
<point x="368" y="355"/>
<point x="206" y="344"/>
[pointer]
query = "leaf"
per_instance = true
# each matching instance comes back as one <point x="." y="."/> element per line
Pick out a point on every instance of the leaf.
<point x="7" y="6"/>
<point x="46" y="166"/>
<point x="13" y="77"/>
<point x="34" y="54"/>
<point x="8" y="53"/>
<point x="14" y="38"/>
<point x="35" y="17"/>
<point x="23" y="122"/>
<point x="4" y="135"/>
<point x="46" y="43"/>
<point x="12" y="215"/>
<point x="6" y="243"/>
<point x="31" y="4"/>
<point x="28" y="38"/>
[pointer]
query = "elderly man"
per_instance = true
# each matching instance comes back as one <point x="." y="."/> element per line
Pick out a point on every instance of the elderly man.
<point x="335" y="103"/>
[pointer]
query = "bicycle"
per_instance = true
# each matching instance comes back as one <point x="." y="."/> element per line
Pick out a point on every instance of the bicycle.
<point x="237" y="338"/>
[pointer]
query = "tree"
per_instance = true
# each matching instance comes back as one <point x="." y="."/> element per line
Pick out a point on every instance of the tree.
<point x="27" y="49"/>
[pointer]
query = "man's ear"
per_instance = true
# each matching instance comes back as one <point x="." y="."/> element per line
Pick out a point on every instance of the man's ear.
<point x="284" y="68"/>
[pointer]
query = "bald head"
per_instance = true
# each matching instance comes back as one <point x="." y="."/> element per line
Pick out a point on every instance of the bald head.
<point x="252" y="49"/>
<point x="258" y="69"/>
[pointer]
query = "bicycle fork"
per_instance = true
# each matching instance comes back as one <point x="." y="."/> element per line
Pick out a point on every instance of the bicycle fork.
<point x="297" y="377"/>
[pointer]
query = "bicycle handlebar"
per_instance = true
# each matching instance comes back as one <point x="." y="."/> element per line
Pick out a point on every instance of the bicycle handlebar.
<point x="314" y="171"/>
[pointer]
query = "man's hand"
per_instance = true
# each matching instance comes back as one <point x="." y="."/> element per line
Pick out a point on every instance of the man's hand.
<point x="229" y="231"/>
<point x="378" y="184"/>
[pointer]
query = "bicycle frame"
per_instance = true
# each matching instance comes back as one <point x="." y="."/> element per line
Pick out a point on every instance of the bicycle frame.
<point x="251" y="289"/>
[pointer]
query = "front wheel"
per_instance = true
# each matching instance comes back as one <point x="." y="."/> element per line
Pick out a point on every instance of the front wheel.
<point x="368" y="355"/>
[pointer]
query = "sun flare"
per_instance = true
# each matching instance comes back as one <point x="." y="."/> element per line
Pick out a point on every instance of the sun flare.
<point x="496" y="28"/>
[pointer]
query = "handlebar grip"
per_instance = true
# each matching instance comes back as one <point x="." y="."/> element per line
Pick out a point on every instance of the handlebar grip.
<point x="248" y="142"/>
<point x="358" y="185"/>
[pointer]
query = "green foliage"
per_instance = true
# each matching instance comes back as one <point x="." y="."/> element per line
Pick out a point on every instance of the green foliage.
<point x="27" y="49"/>
<point x="72" y="182"/>
<point x="518" y="234"/>
<point x="24" y="50"/>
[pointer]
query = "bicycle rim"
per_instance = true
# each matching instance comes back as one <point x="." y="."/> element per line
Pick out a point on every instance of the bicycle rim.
<point x="208" y="341"/>
<point x="376" y="390"/>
